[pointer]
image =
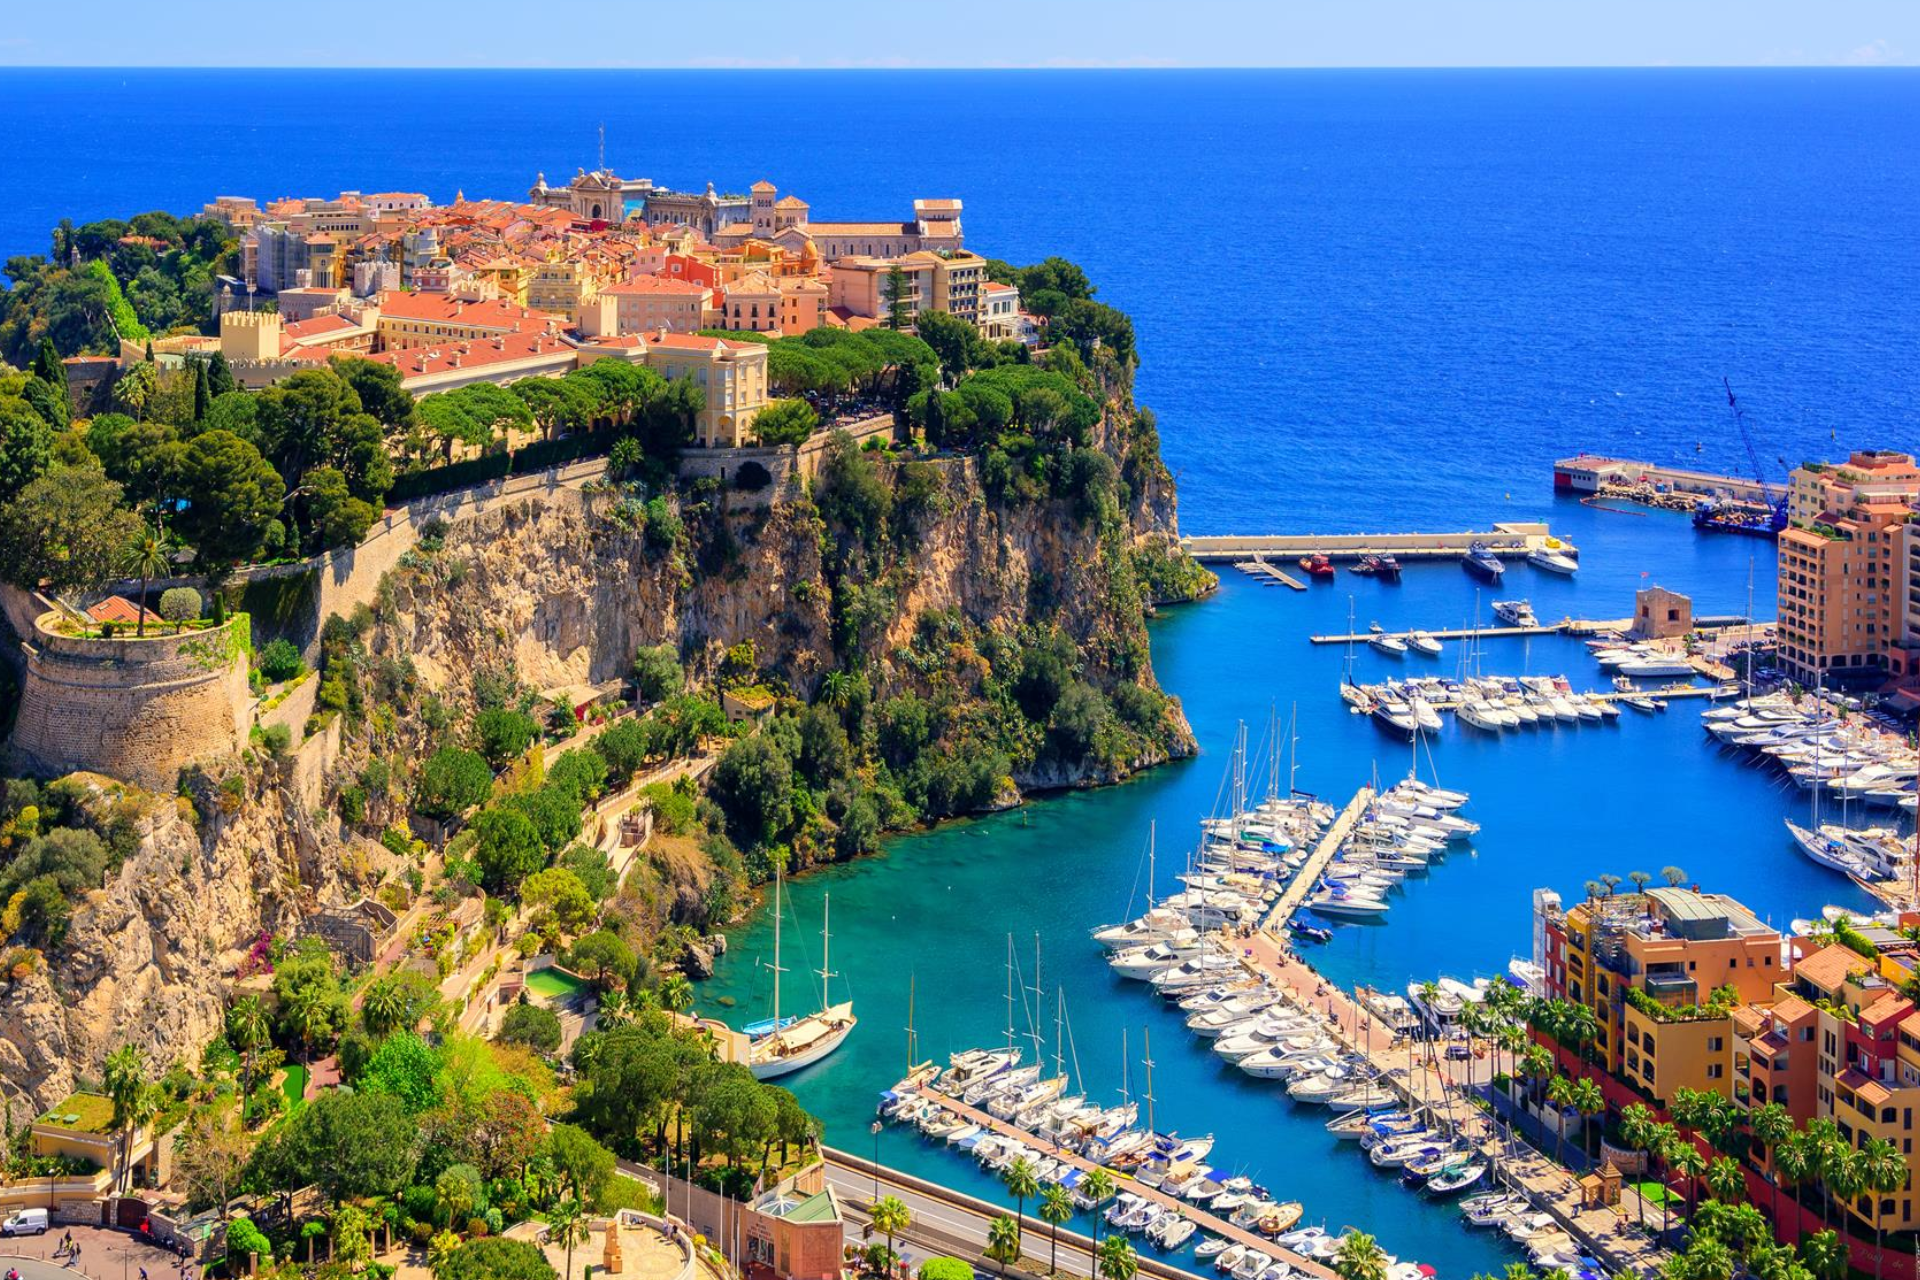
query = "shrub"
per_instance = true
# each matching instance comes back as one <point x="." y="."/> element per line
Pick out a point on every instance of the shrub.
<point x="504" y="735"/>
<point x="494" y="1258"/>
<point x="180" y="604"/>
<point x="624" y="747"/>
<point x="656" y="672"/>
<point x="280" y="660"/>
<point x="453" y="781"/>
<point x="243" y="1238"/>
<point x="945" y="1269"/>
<point x="533" y="1025"/>
<point x="277" y="739"/>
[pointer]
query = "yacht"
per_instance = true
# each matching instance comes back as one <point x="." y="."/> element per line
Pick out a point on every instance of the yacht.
<point x="1425" y="645"/>
<point x="1388" y="643"/>
<point x="1552" y="560"/>
<point x="1648" y="665"/>
<point x="1515" y="613"/>
<point x="1481" y="563"/>
<point x="802" y="1041"/>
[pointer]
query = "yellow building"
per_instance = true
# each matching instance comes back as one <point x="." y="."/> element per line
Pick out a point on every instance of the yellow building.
<point x="563" y="287"/>
<point x="732" y="374"/>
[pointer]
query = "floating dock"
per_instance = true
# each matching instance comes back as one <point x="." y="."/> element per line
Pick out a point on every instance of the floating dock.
<point x="1272" y="575"/>
<point x="1508" y="538"/>
<point x="1308" y="876"/>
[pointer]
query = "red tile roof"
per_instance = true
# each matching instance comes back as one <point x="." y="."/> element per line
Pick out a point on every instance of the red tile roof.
<point x="119" y="609"/>
<point x="656" y="284"/>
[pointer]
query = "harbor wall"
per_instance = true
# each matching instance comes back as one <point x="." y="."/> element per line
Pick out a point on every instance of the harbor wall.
<point x="1505" y="537"/>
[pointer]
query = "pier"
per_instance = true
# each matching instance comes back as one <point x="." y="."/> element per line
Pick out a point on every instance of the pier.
<point x="1309" y="874"/>
<point x="1591" y="473"/>
<point x="1507" y="538"/>
<point x="1436" y="1086"/>
<point x="1198" y="1216"/>
<point x="1566" y="626"/>
<point x="1258" y="568"/>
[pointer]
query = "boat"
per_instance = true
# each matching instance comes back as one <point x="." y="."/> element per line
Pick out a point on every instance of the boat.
<point x="1211" y="1247"/>
<point x="1317" y="566"/>
<point x="1388" y="643"/>
<point x="1480" y="562"/>
<point x="1552" y="560"/>
<point x="1515" y="613"/>
<point x="1177" y="1232"/>
<point x="802" y="1041"/>
<point x="1423" y="644"/>
<point x="1640" y="702"/>
<point x="1646" y="666"/>
<point x="1455" y="1178"/>
<point x="1377" y="566"/>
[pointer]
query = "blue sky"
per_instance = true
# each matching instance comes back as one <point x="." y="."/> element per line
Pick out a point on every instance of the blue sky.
<point x="969" y="33"/>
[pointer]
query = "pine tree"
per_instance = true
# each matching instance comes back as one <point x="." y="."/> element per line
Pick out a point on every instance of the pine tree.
<point x="219" y="375"/>
<point x="202" y="392"/>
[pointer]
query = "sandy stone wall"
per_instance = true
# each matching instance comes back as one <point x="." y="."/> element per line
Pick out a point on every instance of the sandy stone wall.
<point x="137" y="709"/>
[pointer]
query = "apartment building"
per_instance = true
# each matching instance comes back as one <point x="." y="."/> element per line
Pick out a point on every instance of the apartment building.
<point x="1844" y="569"/>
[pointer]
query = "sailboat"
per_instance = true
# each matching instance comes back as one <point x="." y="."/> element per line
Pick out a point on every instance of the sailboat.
<point x="802" y="1041"/>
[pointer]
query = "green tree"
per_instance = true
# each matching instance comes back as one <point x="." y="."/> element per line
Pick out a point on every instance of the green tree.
<point x="1636" y="1130"/>
<point x="494" y="1258"/>
<point x="1883" y="1172"/>
<point x="502" y="734"/>
<point x="135" y="1098"/>
<point x="898" y="293"/>
<point x="1100" y="1188"/>
<point x="891" y="1217"/>
<point x="508" y="850"/>
<point x="26" y="446"/>
<point x="1056" y="1209"/>
<point x="351" y="1145"/>
<point x="146" y="559"/>
<point x="676" y="993"/>
<point x="1724" y="1179"/>
<point x="453" y="781"/>
<point x="248" y="1031"/>
<point x="753" y="785"/>
<point x="1117" y="1259"/>
<point x="1021" y="1183"/>
<point x="397" y="1001"/>
<point x="1771" y="1124"/>
<point x="558" y="893"/>
<point x="1825" y="1255"/>
<point x="405" y="1068"/>
<point x="533" y="1025"/>
<point x="1360" y="1257"/>
<point x="583" y="1165"/>
<point x="785" y="422"/>
<point x="567" y="1227"/>
<point x="1589" y="1102"/>
<point x="1003" y="1241"/>
<point x="67" y="530"/>
<point x="235" y="495"/>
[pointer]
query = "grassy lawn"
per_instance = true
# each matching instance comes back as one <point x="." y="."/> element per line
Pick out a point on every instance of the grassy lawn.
<point x="551" y="984"/>
<point x="1655" y="1192"/>
<point x="293" y="1084"/>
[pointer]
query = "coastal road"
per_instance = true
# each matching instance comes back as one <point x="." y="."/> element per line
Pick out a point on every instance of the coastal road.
<point x="949" y="1222"/>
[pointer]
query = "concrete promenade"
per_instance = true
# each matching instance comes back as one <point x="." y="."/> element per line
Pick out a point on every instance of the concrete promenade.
<point x="1443" y="1087"/>
<point x="1309" y="874"/>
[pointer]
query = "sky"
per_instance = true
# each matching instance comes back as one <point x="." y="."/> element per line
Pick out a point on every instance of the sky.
<point x="968" y="33"/>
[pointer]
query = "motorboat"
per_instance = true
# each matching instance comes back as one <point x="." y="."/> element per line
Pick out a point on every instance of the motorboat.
<point x="1640" y="702"/>
<point x="1347" y="906"/>
<point x="1646" y="667"/>
<point x="1479" y="714"/>
<point x="1317" y="566"/>
<point x="1176" y="1232"/>
<point x="1211" y="1247"/>
<point x="1481" y="563"/>
<point x="1553" y="560"/>
<point x="1388" y="643"/>
<point x="1423" y="644"/>
<point x="1378" y="566"/>
<point x="1515" y="613"/>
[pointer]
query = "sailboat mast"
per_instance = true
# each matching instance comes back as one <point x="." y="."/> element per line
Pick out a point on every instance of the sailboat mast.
<point x="1126" y="1067"/>
<point x="777" y="881"/>
<point x="826" y="941"/>
<point x="911" y="1046"/>
<point x="1059" y="1031"/>
<point x="1146" y="1034"/>
<point x="1009" y="995"/>
<point x="1033" y="1013"/>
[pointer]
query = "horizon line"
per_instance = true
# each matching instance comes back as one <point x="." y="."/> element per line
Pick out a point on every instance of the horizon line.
<point x="881" y="68"/>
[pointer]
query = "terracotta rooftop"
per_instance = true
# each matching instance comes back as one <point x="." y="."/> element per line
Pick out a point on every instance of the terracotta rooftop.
<point x="448" y="309"/>
<point x="1830" y="966"/>
<point x="656" y="284"/>
<point x="119" y="609"/>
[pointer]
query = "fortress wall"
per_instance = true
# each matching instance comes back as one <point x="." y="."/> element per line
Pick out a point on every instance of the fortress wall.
<point x="136" y="709"/>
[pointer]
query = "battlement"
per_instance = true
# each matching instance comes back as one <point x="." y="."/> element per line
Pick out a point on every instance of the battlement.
<point x="250" y="335"/>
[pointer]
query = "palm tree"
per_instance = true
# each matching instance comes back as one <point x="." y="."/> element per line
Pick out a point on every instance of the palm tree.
<point x="837" y="690"/>
<point x="1589" y="1101"/>
<point x="676" y="993"/>
<point x="1536" y="1064"/>
<point x="1118" y="1260"/>
<point x="1056" y="1207"/>
<point x="1772" y="1124"/>
<point x="1795" y="1159"/>
<point x="1708" y="1259"/>
<point x="1636" y="1130"/>
<point x="247" y="1029"/>
<point x="1832" y="1155"/>
<point x="567" y="1227"/>
<point x="1003" y="1241"/>
<point x="1725" y="1179"/>
<point x="1560" y="1094"/>
<point x="135" y="1099"/>
<point x="1360" y="1257"/>
<point x="1100" y="1187"/>
<point x="1022" y="1183"/>
<point x="1843" y="1174"/>
<point x="147" y="559"/>
<point x="1583" y="1027"/>
<point x="1690" y="1162"/>
<point x="1883" y="1171"/>
<point x="891" y="1216"/>
<point x="1825" y="1255"/>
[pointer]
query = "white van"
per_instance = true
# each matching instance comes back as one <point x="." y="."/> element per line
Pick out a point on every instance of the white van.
<point x="27" y="1222"/>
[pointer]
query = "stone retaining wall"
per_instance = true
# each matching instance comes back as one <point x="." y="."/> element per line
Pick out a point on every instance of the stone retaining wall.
<point x="136" y="709"/>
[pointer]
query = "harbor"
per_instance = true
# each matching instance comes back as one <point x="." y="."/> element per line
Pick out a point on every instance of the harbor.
<point x="938" y="905"/>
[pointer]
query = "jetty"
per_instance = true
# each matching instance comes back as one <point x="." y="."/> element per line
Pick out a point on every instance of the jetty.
<point x="1566" y="626"/>
<point x="1197" y="1215"/>
<point x="1506" y="538"/>
<point x="1270" y="573"/>
<point x="1309" y="874"/>
<point x="1592" y="473"/>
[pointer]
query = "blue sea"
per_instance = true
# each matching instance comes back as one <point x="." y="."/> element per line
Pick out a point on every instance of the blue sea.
<point x="1365" y="300"/>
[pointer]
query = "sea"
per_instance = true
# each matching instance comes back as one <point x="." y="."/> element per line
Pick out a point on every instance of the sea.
<point x="1365" y="301"/>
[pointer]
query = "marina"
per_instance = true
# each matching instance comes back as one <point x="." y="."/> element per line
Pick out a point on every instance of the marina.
<point x="937" y="903"/>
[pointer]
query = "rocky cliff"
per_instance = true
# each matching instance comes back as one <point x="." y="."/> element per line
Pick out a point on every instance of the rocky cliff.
<point x="147" y="958"/>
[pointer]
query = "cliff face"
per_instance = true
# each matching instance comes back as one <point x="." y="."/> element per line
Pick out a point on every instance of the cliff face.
<point x="148" y="958"/>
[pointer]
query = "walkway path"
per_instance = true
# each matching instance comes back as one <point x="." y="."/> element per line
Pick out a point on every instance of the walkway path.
<point x="1444" y="1087"/>
<point x="1309" y="874"/>
<point x="1200" y="1217"/>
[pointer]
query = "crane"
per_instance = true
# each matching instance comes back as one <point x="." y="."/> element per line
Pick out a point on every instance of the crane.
<point x="1730" y="517"/>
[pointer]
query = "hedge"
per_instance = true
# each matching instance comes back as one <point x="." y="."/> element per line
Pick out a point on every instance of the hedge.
<point x="538" y="456"/>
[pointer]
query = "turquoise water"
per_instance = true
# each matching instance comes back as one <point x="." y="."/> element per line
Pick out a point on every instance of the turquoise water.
<point x="1558" y="806"/>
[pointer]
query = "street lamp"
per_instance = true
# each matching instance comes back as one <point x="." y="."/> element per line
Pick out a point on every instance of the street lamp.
<point x="875" y="1130"/>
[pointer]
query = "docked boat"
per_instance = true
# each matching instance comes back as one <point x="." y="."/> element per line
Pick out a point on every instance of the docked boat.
<point x="1423" y="644"/>
<point x="1317" y="566"/>
<point x="1515" y="613"/>
<point x="1456" y="1178"/>
<point x="1553" y="560"/>
<point x="1388" y="643"/>
<point x="1481" y="563"/>
<point x="802" y="1041"/>
<point x="1375" y="566"/>
<point x="1646" y="666"/>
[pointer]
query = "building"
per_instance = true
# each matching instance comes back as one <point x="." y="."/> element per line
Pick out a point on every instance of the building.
<point x="999" y="311"/>
<point x="732" y="374"/>
<point x="1662" y="971"/>
<point x="863" y="286"/>
<point x="652" y="303"/>
<point x="752" y="304"/>
<point x="600" y="196"/>
<point x="1844" y="570"/>
<point x="1660" y="614"/>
